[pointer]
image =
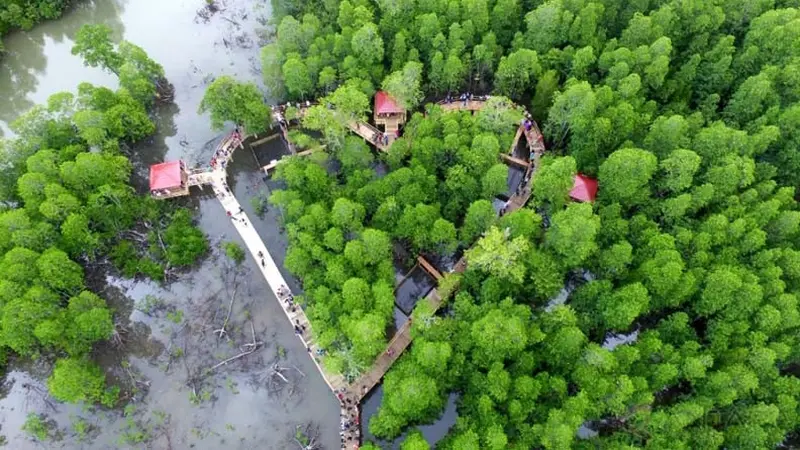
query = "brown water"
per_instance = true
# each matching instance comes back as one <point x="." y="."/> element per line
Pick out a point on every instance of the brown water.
<point x="237" y="408"/>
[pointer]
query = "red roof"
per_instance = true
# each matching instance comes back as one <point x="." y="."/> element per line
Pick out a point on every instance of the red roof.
<point x="385" y="104"/>
<point x="584" y="189"/>
<point x="165" y="175"/>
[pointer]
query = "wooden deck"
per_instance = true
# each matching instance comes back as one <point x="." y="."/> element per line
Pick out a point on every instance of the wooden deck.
<point x="367" y="131"/>
<point x="516" y="161"/>
<point x="429" y="268"/>
<point x="173" y="193"/>
<point x="461" y="105"/>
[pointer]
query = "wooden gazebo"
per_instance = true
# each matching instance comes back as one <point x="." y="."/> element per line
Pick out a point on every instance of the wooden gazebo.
<point x="388" y="113"/>
<point x="169" y="179"/>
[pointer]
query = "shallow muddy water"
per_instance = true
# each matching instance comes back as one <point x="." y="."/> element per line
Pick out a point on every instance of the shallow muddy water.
<point x="167" y="353"/>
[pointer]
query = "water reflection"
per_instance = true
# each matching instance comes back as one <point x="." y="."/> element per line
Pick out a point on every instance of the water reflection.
<point x="43" y="55"/>
<point x="40" y="63"/>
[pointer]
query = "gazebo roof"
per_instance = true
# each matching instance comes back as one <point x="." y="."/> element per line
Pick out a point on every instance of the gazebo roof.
<point x="385" y="104"/>
<point x="584" y="189"/>
<point x="165" y="175"/>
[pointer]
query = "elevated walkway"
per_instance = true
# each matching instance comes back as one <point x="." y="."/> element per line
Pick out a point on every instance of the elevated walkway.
<point x="216" y="178"/>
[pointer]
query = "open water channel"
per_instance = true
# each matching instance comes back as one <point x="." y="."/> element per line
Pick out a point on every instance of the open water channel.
<point x="233" y="408"/>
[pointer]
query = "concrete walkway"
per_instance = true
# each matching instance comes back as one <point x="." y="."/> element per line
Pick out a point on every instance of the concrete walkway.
<point x="217" y="178"/>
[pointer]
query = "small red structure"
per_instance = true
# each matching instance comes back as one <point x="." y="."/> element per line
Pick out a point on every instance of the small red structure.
<point x="386" y="104"/>
<point x="169" y="179"/>
<point x="584" y="189"/>
<point x="388" y="113"/>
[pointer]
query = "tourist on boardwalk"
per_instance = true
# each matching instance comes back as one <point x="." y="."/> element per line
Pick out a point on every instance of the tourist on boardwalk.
<point x="282" y="289"/>
<point x="504" y="209"/>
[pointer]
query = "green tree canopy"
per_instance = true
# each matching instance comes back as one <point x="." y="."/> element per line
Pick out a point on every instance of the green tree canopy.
<point x="242" y="103"/>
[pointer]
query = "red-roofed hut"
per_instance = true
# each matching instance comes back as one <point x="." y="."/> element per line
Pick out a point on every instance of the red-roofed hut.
<point x="169" y="179"/>
<point x="388" y="113"/>
<point x="584" y="189"/>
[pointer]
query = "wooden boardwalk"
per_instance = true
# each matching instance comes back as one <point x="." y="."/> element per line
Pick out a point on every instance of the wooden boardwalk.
<point x="398" y="344"/>
<point x="367" y="132"/>
<point x="461" y="105"/>
<point x="349" y="394"/>
<point x="429" y="268"/>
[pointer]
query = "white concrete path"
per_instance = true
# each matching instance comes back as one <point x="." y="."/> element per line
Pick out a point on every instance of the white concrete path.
<point x="276" y="282"/>
<point x="269" y="269"/>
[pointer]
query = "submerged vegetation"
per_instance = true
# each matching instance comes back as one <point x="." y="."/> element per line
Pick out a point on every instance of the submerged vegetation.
<point x="685" y="112"/>
<point x="69" y="206"/>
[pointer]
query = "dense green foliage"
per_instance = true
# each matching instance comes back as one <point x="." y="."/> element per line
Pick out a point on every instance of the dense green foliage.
<point x="242" y="103"/>
<point x="685" y="111"/>
<point x="341" y="227"/>
<point x="65" y="187"/>
<point x="24" y="14"/>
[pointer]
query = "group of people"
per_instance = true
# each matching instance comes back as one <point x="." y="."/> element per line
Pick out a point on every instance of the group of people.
<point x="379" y="137"/>
<point x="160" y="192"/>
<point x="260" y="253"/>
<point x="279" y="111"/>
<point x="285" y="295"/>
<point x="242" y="219"/>
<point x="528" y="124"/>
<point x="223" y="153"/>
<point x="504" y="209"/>
<point x="349" y="421"/>
<point x="466" y="97"/>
